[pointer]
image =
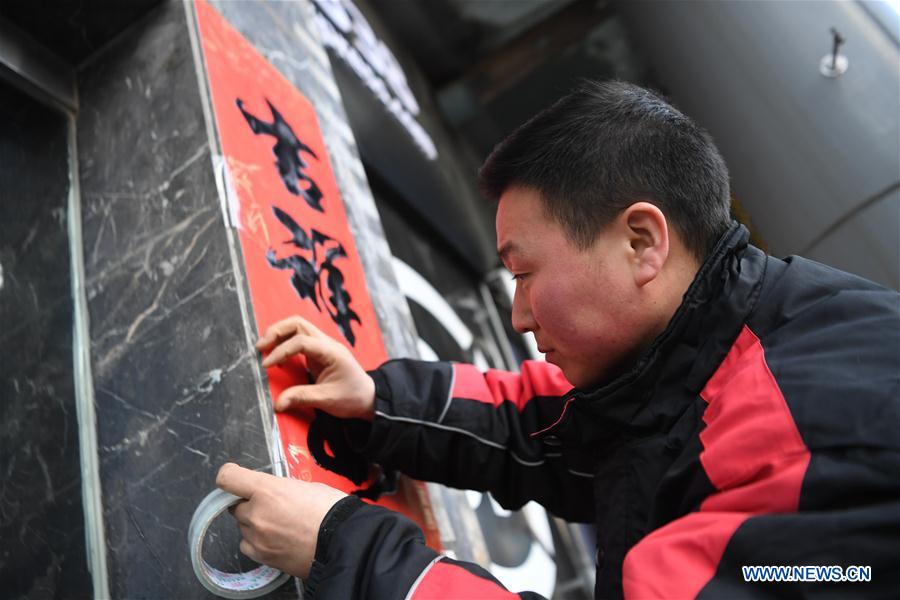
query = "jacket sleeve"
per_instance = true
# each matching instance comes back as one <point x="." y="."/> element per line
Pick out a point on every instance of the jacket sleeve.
<point x="452" y="424"/>
<point x="366" y="551"/>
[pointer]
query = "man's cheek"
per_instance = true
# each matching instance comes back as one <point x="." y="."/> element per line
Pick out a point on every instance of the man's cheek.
<point x="555" y="318"/>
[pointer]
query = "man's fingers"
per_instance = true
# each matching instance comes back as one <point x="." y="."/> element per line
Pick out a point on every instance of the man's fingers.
<point x="289" y="347"/>
<point x="249" y="551"/>
<point x="238" y="480"/>
<point x="306" y="395"/>
<point x="284" y="329"/>
<point x="277" y="332"/>
<point x="319" y="350"/>
<point x="239" y="512"/>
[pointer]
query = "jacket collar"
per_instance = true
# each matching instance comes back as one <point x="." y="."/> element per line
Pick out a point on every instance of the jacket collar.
<point x="681" y="359"/>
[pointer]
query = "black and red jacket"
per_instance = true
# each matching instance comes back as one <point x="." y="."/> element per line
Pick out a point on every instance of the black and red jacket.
<point x="762" y="427"/>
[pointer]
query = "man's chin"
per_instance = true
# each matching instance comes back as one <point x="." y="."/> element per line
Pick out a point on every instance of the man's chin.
<point x="554" y="359"/>
<point x="572" y="375"/>
<point x="579" y="378"/>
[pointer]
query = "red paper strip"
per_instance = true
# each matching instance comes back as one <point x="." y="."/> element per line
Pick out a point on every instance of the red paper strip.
<point x="299" y="253"/>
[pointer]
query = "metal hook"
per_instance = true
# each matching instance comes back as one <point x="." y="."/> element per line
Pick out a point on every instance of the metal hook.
<point x="834" y="64"/>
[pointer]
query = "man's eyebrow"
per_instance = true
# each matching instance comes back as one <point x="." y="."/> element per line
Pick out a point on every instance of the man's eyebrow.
<point x="507" y="249"/>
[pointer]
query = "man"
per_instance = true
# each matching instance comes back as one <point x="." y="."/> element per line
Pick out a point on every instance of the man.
<point x="708" y="406"/>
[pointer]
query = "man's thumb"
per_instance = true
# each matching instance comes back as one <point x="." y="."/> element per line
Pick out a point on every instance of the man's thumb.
<point x="313" y="395"/>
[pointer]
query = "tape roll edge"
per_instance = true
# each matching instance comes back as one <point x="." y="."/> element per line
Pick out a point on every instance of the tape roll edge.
<point x="214" y="504"/>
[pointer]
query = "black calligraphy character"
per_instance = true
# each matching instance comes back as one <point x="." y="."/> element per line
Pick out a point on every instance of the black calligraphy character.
<point x="340" y="298"/>
<point x="287" y="151"/>
<point x="306" y="278"/>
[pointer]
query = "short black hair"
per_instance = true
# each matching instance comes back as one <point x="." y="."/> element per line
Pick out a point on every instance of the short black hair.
<point x="606" y="145"/>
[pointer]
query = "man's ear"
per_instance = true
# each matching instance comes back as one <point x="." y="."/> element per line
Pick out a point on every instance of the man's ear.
<point x="648" y="236"/>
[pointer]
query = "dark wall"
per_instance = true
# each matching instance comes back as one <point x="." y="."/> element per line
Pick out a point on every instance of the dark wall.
<point x="74" y="29"/>
<point x="42" y="554"/>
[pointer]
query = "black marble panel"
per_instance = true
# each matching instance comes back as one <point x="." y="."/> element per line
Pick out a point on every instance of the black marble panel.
<point x="42" y="553"/>
<point x="177" y="391"/>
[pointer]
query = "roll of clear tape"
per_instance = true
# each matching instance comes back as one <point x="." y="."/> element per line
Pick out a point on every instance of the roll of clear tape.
<point x="250" y="584"/>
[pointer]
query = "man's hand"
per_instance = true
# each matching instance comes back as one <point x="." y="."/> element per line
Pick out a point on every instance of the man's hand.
<point x="281" y="518"/>
<point x="342" y="387"/>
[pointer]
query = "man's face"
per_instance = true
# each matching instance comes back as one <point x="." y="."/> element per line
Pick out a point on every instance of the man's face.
<point x="579" y="304"/>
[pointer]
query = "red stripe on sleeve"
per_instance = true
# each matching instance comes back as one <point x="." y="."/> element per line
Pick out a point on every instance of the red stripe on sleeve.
<point x="754" y="456"/>
<point x="446" y="580"/>
<point x="469" y="382"/>
<point x="536" y="379"/>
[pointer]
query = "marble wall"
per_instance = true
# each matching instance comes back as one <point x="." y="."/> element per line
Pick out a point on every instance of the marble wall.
<point x="42" y="553"/>
<point x="177" y="386"/>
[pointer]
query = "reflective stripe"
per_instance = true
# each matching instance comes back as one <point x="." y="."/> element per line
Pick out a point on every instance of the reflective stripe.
<point x="447" y="579"/>
<point x="464" y="432"/>
<point x="581" y="473"/>
<point x="497" y="445"/>
<point x="449" y="394"/>
<point x="421" y="576"/>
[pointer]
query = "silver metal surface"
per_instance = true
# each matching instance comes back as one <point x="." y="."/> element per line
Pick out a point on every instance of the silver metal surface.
<point x="833" y="66"/>
<point x="805" y="152"/>
<point x="91" y="492"/>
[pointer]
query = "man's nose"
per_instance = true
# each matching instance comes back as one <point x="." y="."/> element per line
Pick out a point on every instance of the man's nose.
<point x="522" y="319"/>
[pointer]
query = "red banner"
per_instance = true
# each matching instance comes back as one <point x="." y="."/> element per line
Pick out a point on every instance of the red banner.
<point x="299" y="254"/>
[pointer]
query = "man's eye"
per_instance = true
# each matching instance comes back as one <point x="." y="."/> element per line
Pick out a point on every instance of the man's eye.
<point x="519" y="276"/>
